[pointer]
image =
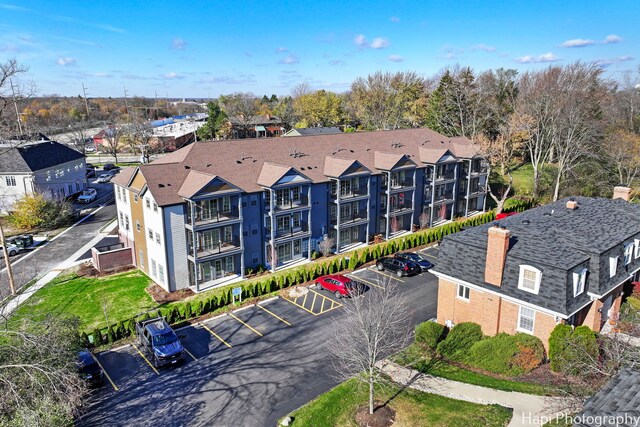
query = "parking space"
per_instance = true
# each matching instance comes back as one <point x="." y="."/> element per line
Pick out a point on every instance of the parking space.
<point x="315" y="302"/>
<point x="431" y="253"/>
<point x="370" y="276"/>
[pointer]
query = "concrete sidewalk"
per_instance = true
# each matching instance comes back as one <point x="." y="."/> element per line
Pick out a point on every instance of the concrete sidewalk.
<point x="48" y="277"/>
<point x="528" y="409"/>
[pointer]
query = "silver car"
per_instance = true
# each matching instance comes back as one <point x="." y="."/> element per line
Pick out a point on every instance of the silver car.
<point x="12" y="249"/>
<point x="88" y="195"/>
<point x="105" y="177"/>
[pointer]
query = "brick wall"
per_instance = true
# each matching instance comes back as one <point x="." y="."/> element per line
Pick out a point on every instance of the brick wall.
<point x="107" y="261"/>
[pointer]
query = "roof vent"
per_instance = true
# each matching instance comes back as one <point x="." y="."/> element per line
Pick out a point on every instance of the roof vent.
<point x="526" y="222"/>
<point x="187" y="167"/>
<point x="572" y="205"/>
<point x="161" y="185"/>
<point x="239" y="162"/>
<point x="208" y="165"/>
<point x="547" y="214"/>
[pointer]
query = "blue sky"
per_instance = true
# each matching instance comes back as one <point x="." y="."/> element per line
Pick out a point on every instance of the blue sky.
<point x="207" y="48"/>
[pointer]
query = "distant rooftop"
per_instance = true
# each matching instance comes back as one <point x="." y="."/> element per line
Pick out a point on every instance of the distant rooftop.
<point x="313" y="131"/>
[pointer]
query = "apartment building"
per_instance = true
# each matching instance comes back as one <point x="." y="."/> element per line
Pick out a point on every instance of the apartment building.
<point x="212" y="209"/>
<point x="566" y="262"/>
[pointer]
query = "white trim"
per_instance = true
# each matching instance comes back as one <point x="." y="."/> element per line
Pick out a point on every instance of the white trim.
<point x="538" y="278"/>
<point x="637" y="243"/>
<point x="467" y="291"/>
<point x="501" y="295"/>
<point x="628" y="253"/>
<point x="613" y="266"/>
<point x="579" y="282"/>
<point x="533" y="321"/>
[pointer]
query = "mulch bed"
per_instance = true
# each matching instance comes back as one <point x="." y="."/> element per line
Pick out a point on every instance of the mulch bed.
<point x="161" y="296"/>
<point x="383" y="416"/>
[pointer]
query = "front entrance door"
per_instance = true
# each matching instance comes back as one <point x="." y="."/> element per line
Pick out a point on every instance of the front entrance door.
<point x="606" y="308"/>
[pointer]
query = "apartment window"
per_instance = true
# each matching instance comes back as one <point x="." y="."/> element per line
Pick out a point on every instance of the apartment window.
<point x="296" y="219"/>
<point x="228" y="234"/>
<point x="267" y="197"/>
<point x="295" y="193"/>
<point x="332" y="211"/>
<point x="579" y="282"/>
<point x="158" y="238"/>
<point x="463" y="292"/>
<point x="155" y="207"/>
<point x="160" y="273"/>
<point x="226" y="204"/>
<point x="121" y="219"/>
<point x="254" y="200"/>
<point x="283" y="222"/>
<point x="526" y="319"/>
<point x="126" y="222"/>
<point x="141" y="259"/>
<point x="254" y="229"/>
<point x="613" y="266"/>
<point x="628" y="253"/>
<point x="11" y="181"/>
<point x="138" y="225"/>
<point x="153" y="268"/>
<point x="124" y="195"/>
<point x="334" y="188"/>
<point x="148" y="203"/>
<point x="637" y="243"/>
<point x="529" y="279"/>
<point x="135" y="198"/>
<point x="118" y="192"/>
<point x="150" y="231"/>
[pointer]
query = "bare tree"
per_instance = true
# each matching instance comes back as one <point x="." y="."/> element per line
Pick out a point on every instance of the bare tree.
<point x="114" y="137"/>
<point x="326" y="246"/>
<point x="12" y="92"/>
<point x="241" y="108"/>
<point x="424" y="219"/>
<point x="623" y="148"/>
<point x="375" y="326"/>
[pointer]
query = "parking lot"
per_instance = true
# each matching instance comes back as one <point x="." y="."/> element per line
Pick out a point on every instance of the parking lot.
<point x="247" y="367"/>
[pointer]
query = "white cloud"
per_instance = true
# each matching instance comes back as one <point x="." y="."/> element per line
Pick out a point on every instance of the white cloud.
<point x="289" y="59"/>
<point x="65" y="60"/>
<point x="530" y="59"/>
<point x="396" y="58"/>
<point x="110" y="28"/>
<point x="612" y="38"/>
<point x="337" y="62"/>
<point x="577" y="43"/>
<point x="14" y="7"/>
<point x="178" y="43"/>
<point x="379" y="43"/>
<point x="394" y="19"/>
<point x="361" y="41"/>
<point x="282" y="49"/>
<point x="173" y="75"/>
<point x="484" y="47"/>
<point x="604" y="63"/>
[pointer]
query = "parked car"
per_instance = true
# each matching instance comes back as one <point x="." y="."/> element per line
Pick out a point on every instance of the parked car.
<point x="160" y="342"/>
<point x="502" y="215"/>
<point x="23" y="241"/>
<point x="90" y="166"/>
<point x="88" y="195"/>
<point x="11" y="248"/>
<point x="89" y="369"/>
<point x="424" y="263"/>
<point x="341" y="286"/>
<point x="401" y="267"/>
<point x="108" y="166"/>
<point x="104" y="177"/>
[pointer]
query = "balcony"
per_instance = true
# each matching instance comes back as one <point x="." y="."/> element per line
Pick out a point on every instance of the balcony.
<point x="479" y="170"/>
<point x="283" y="205"/>
<point x="477" y="189"/>
<point x="203" y="218"/>
<point x="446" y="176"/>
<point x="353" y="194"/>
<point x="397" y="210"/>
<point x="216" y="248"/>
<point x="445" y="197"/>
<point x="282" y="233"/>
<point x="350" y="219"/>
<point x="399" y="184"/>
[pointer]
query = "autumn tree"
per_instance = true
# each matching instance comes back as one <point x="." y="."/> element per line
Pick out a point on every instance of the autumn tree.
<point x="12" y="91"/>
<point x="240" y="107"/>
<point x="319" y="108"/>
<point x="285" y="111"/>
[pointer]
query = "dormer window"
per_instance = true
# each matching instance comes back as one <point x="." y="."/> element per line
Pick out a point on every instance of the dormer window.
<point x="579" y="282"/>
<point x="637" y="243"/>
<point x="613" y="266"/>
<point x="529" y="279"/>
<point x="628" y="253"/>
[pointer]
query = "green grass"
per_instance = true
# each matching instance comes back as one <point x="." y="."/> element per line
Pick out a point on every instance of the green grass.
<point x="523" y="179"/>
<point x="338" y="407"/>
<point x="124" y="294"/>
<point x="439" y="368"/>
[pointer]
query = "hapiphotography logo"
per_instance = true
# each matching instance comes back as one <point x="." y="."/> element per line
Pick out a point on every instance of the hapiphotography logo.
<point x="618" y="419"/>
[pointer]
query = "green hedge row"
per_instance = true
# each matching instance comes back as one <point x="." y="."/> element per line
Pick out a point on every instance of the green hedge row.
<point x="219" y="298"/>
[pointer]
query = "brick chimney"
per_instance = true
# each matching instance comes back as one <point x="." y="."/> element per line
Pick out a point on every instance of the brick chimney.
<point x="497" y="246"/>
<point x="572" y="205"/>
<point x="623" y="193"/>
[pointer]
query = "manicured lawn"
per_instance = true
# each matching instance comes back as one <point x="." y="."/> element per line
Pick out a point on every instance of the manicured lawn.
<point x="436" y="367"/>
<point x="523" y="179"/>
<point x="413" y="408"/>
<point x="122" y="294"/>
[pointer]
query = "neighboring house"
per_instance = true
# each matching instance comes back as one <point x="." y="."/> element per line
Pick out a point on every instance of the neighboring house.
<point x="313" y="131"/>
<point x="47" y="167"/>
<point x="260" y="126"/>
<point x="566" y="262"/>
<point x="617" y="404"/>
<point x="170" y="137"/>
<point x="212" y="209"/>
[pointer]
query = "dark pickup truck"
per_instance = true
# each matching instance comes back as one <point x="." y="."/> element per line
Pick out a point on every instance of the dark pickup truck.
<point x="160" y="342"/>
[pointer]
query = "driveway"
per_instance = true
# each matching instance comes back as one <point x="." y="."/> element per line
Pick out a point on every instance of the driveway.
<point x="248" y="368"/>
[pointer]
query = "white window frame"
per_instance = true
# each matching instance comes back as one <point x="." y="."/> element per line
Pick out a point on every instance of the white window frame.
<point x="579" y="282"/>
<point x="519" y="327"/>
<point x="155" y="207"/>
<point x="466" y="293"/>
<point x="538" y="278"/>
<point x="613" y="266"/>
<point x="158" y="238"/>
<point x="147" y="202"/>
<point x="637" y="243"/>
<point x="153" y="269"/>
<point x="628" y="253"/>
<point x="161" y="273"/>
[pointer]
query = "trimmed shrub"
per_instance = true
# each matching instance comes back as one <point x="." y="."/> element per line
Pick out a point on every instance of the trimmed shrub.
<point x="120" y="330"/>
<point x="429" y="334"/>
<point x="557" y="346"/>
<point x="84" y="340"/>
<point x="530" y="352"/>
<point x="188" y="313"/>
<point x="506" y="354"/>
<point x="459" y="340"/>
<point x="571" y="350"/>
<point x="97" y="337"/>
<point x="111" y="336"/>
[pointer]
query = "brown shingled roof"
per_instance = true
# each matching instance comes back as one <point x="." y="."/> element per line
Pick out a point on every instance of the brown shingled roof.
<point x="335" y="167"/>
<point x="241" y="162"/>
<point x="431" y="155"/>
<point x="194" y="182"/>
<point x="122" y="178"/>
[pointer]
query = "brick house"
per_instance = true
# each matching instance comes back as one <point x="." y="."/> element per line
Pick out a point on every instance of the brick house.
<point x="566" y="262"/>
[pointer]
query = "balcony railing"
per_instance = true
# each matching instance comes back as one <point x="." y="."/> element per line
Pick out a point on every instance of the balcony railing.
<point x="477" y="189"/>
<point x="444" y="197"/>
<point x="397" y="208"/>
<point x="445" y="176"/>
<point x="281" y="205"/>
<point x="399" y="183"/>
<point x="213" y="216"/>
<point x="303" y="228"/>
<point x="217" y="247"/>
<point x="354" y="192"/>
<point x="479" y="170"/>
<point x="344" y="219"/>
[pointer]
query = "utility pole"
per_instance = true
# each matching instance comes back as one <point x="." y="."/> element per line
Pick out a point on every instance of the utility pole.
<point x="125" y="99"/>
<point x="5" y="252"/>
<point x="15" y="106"/>
<point x="86" y="104"/>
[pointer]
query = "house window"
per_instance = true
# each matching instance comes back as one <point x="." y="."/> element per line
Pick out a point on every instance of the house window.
<point x="295" y="193"/>
<point x="148" y="203"/>
<point x="296" y="219"/>
<point x="158" y="238"/>
<point x="153" y="268"/>
<point x="267" y="197"/>
<point x="579" y="282"/>
<point x="529" y="279"/>
<point x="160" y="273"/>
<point x="150" y="231"/>
<point x="463" y="292"/>
<point x="138" y="225"/>
<point x="118" y="192"/>
<point x="334" y="188"/>
<point x="126" y="222"/>
<point x="155" y="207"/>
<point x="628" y="253"/>
<point x="613" y="266"/>
<point x="226" y="204"/>
<point x="135" y="198"/>
<point x="637" y="243"/>
<point x="141" y="259"/>
<point x="121" y="219"/>
<point x="124" y="195"/>
<point x="526" y="319"/>
<point x="11" y="181"/>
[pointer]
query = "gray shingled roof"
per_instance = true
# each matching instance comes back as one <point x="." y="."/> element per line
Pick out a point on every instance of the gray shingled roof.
<point x="552" y="238"/>
<point x="32" y="157"/>
<point x="317" y="131"/>
<point x="619" y="398"/>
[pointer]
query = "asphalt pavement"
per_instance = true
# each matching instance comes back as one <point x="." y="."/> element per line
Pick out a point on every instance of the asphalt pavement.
<point x="246" y="369"/>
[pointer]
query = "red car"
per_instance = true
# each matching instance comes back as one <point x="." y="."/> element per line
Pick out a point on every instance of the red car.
<point x="340" y="285"/>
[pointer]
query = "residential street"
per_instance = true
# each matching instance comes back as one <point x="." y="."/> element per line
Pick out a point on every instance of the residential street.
<point x="248" y="369"/>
